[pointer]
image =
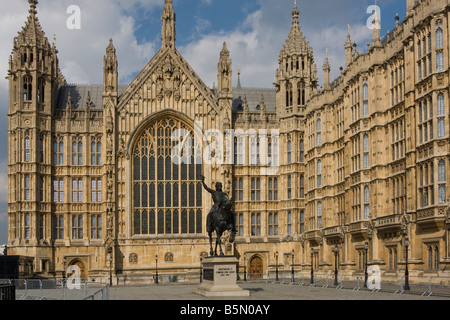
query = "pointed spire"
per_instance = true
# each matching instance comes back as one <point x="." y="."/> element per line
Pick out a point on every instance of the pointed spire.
<point x="295" y="14"/>
<point x="33" y="4"/>
<point x="348" y="49"/>
<point x="376" y="28"/>
<point x="168" y="19"/>
<point x="239" y="78"/>
<point x="110" y="69"/>
<point x="262" y="104"/>
<point x="224" y="72"/>
<point x="69" y="101"/>
<point x="326" y="73"/>
<point x="245" y="105"/>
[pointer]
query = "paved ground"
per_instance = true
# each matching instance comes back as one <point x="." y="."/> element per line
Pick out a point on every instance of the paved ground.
<point x="258" y="291"/>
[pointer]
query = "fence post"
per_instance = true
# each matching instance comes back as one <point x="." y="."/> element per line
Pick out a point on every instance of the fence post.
<point x="326" y="282"/>
<point x="313" y="284"/>
<point x="85" y="289"/>
<point x="357" y="285"/>
<point x="429" y="287"/>
<point x="40" y="289"/>
<point x="64" y="290"/>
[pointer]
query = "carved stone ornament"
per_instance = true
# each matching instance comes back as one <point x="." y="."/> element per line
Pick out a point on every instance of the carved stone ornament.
<point x="168" y="257"/>
<point x="448" y="213"/>
<point x="133" y="258"/>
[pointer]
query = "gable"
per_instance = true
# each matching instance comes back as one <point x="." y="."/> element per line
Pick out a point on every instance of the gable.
<point x="168" y="81"/>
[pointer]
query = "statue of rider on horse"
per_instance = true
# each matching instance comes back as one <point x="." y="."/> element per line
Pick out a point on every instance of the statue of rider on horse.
<point x="220" y="218"/>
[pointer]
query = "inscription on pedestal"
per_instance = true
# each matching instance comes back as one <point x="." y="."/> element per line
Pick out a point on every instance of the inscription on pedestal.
<point x="220" y="278"/>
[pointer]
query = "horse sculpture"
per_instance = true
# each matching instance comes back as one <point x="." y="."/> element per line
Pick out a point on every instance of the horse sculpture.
<point x="220" y="218"/>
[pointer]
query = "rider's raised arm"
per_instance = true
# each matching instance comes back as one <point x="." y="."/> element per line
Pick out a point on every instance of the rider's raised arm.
<point x="206" y="187"/>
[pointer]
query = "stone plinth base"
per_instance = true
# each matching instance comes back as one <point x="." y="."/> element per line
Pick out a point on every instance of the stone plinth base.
<point x="219" y="278"/>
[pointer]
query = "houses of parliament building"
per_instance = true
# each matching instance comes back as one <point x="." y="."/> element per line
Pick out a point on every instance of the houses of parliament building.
<point x="358" y="167"/>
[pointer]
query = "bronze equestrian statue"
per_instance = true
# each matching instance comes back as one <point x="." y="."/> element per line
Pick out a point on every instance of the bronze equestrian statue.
<point x="220" y="218"/>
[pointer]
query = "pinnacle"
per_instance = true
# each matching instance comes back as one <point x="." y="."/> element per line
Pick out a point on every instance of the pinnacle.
<point x="33" y="4"/>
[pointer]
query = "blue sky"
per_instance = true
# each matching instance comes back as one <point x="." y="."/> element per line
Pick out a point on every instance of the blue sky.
<point x="254" y="30"/>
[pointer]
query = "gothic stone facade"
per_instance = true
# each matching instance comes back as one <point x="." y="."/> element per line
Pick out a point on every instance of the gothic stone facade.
<point x="363" y="162"/>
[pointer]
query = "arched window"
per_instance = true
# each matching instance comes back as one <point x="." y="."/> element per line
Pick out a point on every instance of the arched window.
<point x="58" y="151"/>
<point x="96" y="152"/>
<point x="441" y="115"/>
<point x="319" y="173"/>
<point x="302" y="151"/>
<point x="366" y="151"/>
<point x="289" y="152"/>
<point x="366" y="202"/>
<point x="77" y="151"/>
<point x="27" y="149"/>
<point x="27" y="88"/>
<point x="41" y="90"/>
<point x="442" y="188"/>
<point x="365" y="98"/>
<point x="319" y="215"/>
<point x="302" y="222"/>
<point x="439" y="35"/>
<point x="27" y="188"/>
<point x="167" y="191"/>
<point x="302" y="186"/>
<point x="319" y="132"/>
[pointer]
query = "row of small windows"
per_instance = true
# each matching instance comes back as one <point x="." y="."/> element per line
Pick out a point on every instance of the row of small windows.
<point x="427" y="184"/>
<point x="426" y="119"/>
<point x="77" y="190"/>
<point x="424" y="52"/>
<point x="167" y="222"/>
<point x="77" y="226"/>
<point x="256" y="152"/>
<point x="58" y="151"/>
<point x="28" y="89"/>
<point x="301" y="147"/>
<point x="272" y="224"/>
<point x="272" y="188"/>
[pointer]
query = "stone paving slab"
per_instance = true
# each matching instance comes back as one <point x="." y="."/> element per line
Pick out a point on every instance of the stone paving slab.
<point x="258" y="291"/>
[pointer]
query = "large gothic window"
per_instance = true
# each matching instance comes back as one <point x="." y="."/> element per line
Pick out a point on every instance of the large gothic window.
<point x="167" y="191"/>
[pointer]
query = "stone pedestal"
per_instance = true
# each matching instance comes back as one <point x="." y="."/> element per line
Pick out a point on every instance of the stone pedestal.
<point x="219" y="278"/>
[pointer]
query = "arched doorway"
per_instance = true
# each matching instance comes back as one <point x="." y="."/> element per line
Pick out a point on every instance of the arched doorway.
<point x="256" y="270"/>
<point x="81" y="267"/>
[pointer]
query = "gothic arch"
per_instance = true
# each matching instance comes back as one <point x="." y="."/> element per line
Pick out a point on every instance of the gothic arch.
<point x="256" y="267"/>
<point x="153" y="118"/>
<point x="165" y="196"/>
<point x="82" y="265"/>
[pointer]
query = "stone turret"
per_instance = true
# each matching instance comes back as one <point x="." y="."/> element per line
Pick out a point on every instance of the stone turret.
<point x="297" y="75"/>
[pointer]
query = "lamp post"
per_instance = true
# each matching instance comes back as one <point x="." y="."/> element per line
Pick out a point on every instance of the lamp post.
<point x="312" y="266"/>
<point x="276" y="267"/>
<point x="64" y="269"/>
<point x="293" y="276"/>
<point x="407" y="288"/>
<point x="245" y="267"/>
<point x="156" y="277"/>
<point x="201" y="269"/>
<point x="336" y="253"/>
<point x="110" y="265"/>
<point x="366" y="275"/>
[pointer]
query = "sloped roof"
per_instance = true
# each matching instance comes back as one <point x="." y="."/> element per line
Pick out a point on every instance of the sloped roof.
<point x="79" y="95"/>
<point x="254" y="99"/>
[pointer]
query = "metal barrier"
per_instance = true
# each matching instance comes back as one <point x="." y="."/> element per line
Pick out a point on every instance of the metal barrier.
<point x="419" y="285"/>
<point x="56" y="289"/>
<point x="7" y="292"/>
